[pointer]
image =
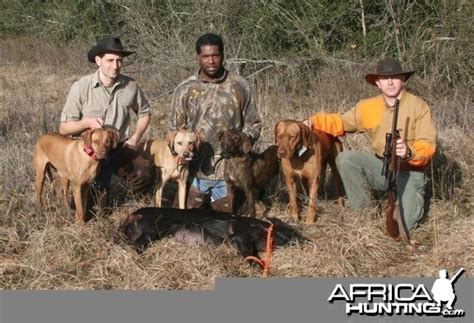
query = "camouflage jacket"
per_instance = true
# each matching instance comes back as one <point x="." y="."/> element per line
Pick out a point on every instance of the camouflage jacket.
<point x="210" y="108"/>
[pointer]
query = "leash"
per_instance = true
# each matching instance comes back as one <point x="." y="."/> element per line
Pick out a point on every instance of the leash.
<point x="265" y="264"/>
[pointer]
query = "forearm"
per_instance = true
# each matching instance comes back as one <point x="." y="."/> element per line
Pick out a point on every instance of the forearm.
<point x="142" y="125"/>
<point x="422" y="153"/>
<point x="73" y="127"/>
<point x="424" y="145"/>
<point x="252" y="122"/>
<point x="177" y="121"/>
<point x="330" y="123"/>
<point x="178" y="104"/>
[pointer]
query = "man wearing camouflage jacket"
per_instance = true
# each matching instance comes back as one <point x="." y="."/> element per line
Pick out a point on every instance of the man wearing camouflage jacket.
<point x="210" y="102"/>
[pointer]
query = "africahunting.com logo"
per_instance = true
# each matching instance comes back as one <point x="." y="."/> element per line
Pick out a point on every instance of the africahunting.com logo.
<point x="400" y="299"/>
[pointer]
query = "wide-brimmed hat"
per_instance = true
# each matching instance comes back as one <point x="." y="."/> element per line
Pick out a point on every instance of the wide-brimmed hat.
<point x="388" y="67"/>
<point x="107" y="45"/>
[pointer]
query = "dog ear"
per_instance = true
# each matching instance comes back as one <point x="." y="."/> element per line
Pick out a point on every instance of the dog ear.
<point x="170" y="139"/>
<point x="246" y="143"/>
<point x="87" y="137"/>
<point x="198" y="141"/>
<point x="115" y="137"/>
<point x="306" y="134"/>
<point x="134" y="217"/>
<point x="275" y="131"/>
<point x="131" y="228"/>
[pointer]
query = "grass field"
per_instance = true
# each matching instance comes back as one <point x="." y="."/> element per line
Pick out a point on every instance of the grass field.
<point x="45" y="249"/>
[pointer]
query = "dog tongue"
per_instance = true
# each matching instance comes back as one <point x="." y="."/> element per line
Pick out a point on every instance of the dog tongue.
<point x="188" y="159"/>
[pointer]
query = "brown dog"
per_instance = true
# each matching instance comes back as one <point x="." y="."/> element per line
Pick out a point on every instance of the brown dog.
<point x="76" y="161"/>
<point x="244" y="170"/>
<point x="305" y="154"/>
<point x="172" y="157"/>
<point x="136" y="167"/>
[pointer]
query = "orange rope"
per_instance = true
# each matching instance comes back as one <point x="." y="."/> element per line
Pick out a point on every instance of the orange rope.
<point x="265" y="264"/>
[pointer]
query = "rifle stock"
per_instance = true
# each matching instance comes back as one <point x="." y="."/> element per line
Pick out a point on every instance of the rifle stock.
<point x="391" y="224"/>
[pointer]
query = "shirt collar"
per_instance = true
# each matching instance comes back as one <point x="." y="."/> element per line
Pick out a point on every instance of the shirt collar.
<point x="387" y="106"/>
<point x="96" y="82"/>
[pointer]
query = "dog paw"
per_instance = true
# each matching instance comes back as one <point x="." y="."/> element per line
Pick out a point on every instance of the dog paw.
<point x="311" y="219"/>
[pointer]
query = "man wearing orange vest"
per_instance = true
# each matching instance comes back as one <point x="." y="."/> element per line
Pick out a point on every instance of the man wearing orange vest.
<point x="361" y="171"/>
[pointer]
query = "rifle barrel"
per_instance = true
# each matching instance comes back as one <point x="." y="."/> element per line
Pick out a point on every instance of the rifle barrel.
<point x="460" y="271"/>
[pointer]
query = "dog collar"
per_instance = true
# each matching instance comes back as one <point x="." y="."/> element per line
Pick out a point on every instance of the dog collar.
<point x="302" y="150"/>
<point x="90" y="152"/>
<point x="171" y="147"/>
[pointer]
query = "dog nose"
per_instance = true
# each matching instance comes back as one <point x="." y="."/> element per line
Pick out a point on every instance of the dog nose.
<point x="186" y="154"/>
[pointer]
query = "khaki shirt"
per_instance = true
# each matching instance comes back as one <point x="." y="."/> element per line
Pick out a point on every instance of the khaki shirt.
<point x="374" y="116"/>
<point x="89" y="98"/>
<point x="210" y="108"/>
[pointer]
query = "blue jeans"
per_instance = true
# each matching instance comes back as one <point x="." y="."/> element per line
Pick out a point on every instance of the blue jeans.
<point x="217" y="188"/>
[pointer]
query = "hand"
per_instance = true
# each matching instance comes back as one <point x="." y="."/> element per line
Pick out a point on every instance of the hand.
<point x="402" y="150"/>
<point x="131" y="143"/>
<point x="93" y="123"/>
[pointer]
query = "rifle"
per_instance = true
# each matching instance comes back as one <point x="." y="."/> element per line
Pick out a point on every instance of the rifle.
<point x="394" y="222"/>
<point x="455" y="277"/>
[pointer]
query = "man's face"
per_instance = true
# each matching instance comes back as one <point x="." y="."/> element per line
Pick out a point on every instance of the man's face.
<point x="391" y="86"/>
<point x="110" y="65"/>
<point x="210" y="60"/>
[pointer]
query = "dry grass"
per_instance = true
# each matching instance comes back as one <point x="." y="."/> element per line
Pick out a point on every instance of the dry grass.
<point x="44" y="249"/>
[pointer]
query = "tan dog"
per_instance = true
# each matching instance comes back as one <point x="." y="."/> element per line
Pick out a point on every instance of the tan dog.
<point x="76" y="161"/>
<point x="305" y="154"/>
<point x="172" y="157"/>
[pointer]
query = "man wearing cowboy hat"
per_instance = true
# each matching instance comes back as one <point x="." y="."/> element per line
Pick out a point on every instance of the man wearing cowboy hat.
<point x="361" y="171"/>
<point x="106" y="98"/>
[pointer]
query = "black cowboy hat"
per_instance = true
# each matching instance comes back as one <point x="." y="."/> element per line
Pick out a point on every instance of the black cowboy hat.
<point x="107" y="45"/>
<point x="388" y="67"/>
